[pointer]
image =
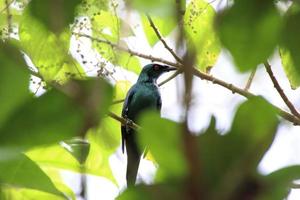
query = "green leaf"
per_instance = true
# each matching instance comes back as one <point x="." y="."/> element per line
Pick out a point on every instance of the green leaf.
<point x="279" y="182"/>
<point x="10" y="22"/>
<point x="50" y="118"/>
<point x="103" y="143"/>
<point x="250" y="31"/>
<point x="23" y="172"/>
<point x="128" y="62"/>
<point x="14" y="81"/>
<point x="92" y="7"/>
<point x="290" y="68"/>
<point x="109" y="27"/>
<point x="78" y="148"/>
<point x="150" y="192"/>
<point x="166" y="147"/>
<point x="48" y="52"/>
<point x="56" y="15"/>
<point x="290" y="41"/>
<point x="240" y="150"/>
<point x="106" y="25"/>
<point x="95" y="95"/>
<point x="201" y="37"/>
<point x="9" y="193"/>
<point x="163" y="24"/>
<point x="157" y="7"/>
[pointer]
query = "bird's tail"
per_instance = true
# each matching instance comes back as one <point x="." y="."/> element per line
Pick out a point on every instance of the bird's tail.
<point x="133" y="160"/>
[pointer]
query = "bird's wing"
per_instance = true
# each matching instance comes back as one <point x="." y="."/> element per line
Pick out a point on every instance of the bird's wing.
<point x="127" y="101"/>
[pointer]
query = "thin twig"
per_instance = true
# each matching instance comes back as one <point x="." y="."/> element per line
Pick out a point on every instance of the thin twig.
<point x="6" y="6"/>
<point x="9" y="16"/>
<point x="295" y="186"/>
<point x="250" y="79"/>
<point x="163" y="41"/>
<point x="118" y="101"/>
<point x="295" y="120"/>
<point x="170" y="78"/>
<point x="280" y="90"/>
<point x="121" y="48"/>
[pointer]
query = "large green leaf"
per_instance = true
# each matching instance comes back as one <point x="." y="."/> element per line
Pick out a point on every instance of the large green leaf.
<point x="48" y="52"/>
<point x="240" y="150"/>
<point x="10" y="192"/>
<point x="201" y="37"/>
<point x="164" y="141"/>
<point x="14" y="81"/>
<point x="250" y="31"/>
<point x="50" y="118"/>
<point x="290" y="42"/>
<point x="161" y="191"/>
<point x="23" y="172"/>
<point x="55" y="14"/>
<point x="280" y="181"/>
<point x="103" y="144"/>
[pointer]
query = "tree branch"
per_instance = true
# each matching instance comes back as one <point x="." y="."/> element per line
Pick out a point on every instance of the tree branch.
<point x="163" y="41"/>
<point x="250" y="79"/>
<point x="121" y="48"/>
<point x="295" y="120"/>
<point x="280" y="91"/>
<point x="171" y="77"/>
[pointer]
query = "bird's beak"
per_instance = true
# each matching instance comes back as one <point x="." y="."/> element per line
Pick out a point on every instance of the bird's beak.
<point x="168" y="68"/>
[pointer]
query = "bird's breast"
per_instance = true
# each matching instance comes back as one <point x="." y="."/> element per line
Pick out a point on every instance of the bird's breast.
<point x="145" y="98"/>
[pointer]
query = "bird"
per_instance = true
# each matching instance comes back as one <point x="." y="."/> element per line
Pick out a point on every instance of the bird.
<point x="143" y="95"/>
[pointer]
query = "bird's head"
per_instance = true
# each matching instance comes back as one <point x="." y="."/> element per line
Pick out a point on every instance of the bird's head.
<point x="152" y="71"/>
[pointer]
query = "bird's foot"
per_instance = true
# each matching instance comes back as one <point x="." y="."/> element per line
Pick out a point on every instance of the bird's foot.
<point x="129" y="123"/>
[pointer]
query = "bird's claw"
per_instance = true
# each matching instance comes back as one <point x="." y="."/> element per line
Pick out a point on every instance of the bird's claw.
<point x="128" y="124"/>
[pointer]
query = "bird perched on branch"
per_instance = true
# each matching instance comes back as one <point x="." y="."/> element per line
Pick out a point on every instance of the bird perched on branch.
<point x="143" y="95"/>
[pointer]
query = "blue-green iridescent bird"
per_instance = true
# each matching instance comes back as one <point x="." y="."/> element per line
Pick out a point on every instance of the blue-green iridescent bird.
<point x="143" y="95"/>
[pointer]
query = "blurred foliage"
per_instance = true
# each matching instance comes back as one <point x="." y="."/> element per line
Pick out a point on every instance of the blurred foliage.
<point x="10" y="99"/>
<point x="171" y="165"/>
<point x="290" y="45"/>
<point x="67" y="127"/>
<point x="289" y="67"/>
<point x="20" y="171"/>
<point x="201" y="37"/>
<point x="228" y="162"/>
<point x="40" y="44"/>
<point x="56" y="15"/>
<point x="250" y="31"/>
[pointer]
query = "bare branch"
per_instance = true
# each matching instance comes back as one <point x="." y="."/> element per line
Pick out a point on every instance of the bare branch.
<point x="121" y="48"/>
<point x="118" y="101"/>
<point x="162" y="40"/>
<point x="280" y="91"/>
<point x="170" y="78"/>
<point x="250" y="79"/>
<point x="295" y="120"/>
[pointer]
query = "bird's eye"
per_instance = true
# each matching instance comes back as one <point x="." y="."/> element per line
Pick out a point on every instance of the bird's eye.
<point x="156" y="67"/>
